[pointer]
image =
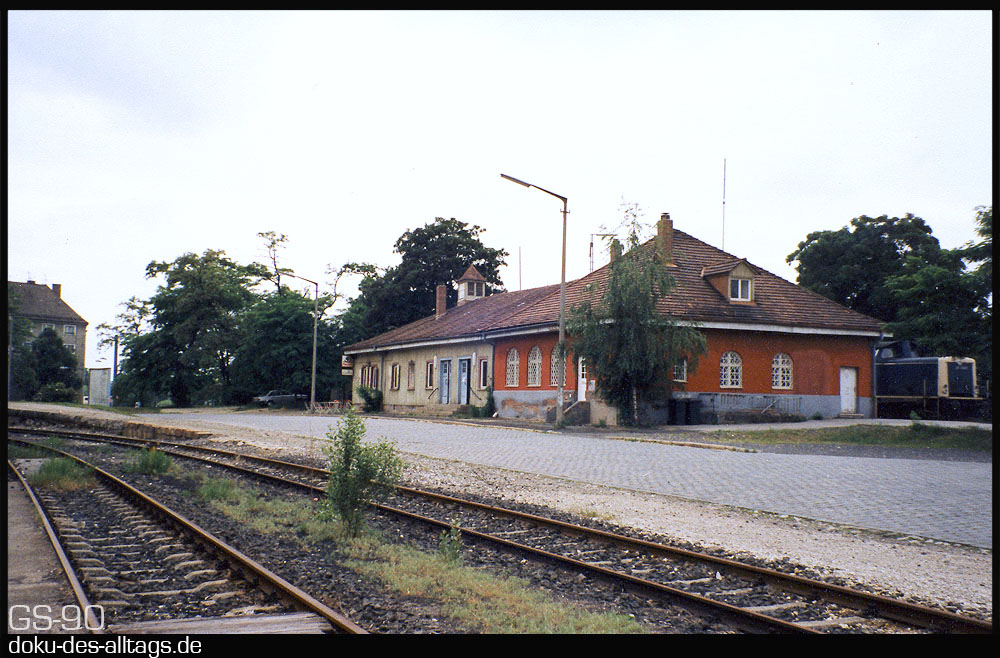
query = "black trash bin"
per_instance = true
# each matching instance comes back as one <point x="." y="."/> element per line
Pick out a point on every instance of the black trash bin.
<point x="682" y="412"/>
<point x="694" y="412"/>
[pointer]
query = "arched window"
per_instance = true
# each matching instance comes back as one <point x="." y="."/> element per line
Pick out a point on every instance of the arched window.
<point x="731" y="370"/>
<point x="535" y="366"/>
<point x="557" y="368"/>
<point x="513" y="368"/>
<point x="781" y="371"/>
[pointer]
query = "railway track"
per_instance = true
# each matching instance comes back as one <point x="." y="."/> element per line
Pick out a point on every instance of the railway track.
<point x="751" y="598"/>
<point x="145" y="569"/>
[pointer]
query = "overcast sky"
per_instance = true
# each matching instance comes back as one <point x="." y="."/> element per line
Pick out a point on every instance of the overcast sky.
<point x="136" y="136"/>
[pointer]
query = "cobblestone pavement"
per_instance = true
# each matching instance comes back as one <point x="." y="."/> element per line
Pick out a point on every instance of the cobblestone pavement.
<point x="946" y="500"/>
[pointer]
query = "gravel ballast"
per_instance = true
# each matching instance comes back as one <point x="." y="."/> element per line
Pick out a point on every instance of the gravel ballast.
<point x="956" y="577"/>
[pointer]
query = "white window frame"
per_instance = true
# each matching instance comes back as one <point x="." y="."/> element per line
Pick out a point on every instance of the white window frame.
<point x="513" y="379"/>
<point x="554" y="370"/>
<point x="744" y="289"/>
<point x="681" y="371"/>
<point x="731" y="370"/>
<point x="484" y="373"/>
<point x="782" y="369"/>
<point x="535" y="366"/>
<point x="48" y="325"/>
<point x="394" y="377"/>
<point x="69" y="329"/>
<point x="429" y="375"/>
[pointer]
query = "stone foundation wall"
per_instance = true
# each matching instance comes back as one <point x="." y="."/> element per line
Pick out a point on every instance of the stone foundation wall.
<point x="129" y="428"/>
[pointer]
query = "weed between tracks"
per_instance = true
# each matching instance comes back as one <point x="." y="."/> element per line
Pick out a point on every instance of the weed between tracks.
<point x="475" y="599"/>
<point x="63" y="474"/>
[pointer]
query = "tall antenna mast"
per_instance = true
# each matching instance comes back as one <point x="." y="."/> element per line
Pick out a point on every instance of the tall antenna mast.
<point x="592" y="236"/>
<point x="723" y="204"/>
<point x="519" y="285"/>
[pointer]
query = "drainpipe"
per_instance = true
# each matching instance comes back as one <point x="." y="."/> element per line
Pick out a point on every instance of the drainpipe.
<point x="875" y="376"/>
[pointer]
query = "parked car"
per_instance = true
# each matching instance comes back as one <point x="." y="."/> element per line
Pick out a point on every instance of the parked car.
<point x="279" y="399"/>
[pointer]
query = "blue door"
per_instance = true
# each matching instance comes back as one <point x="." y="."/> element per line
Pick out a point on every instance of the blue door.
<point x="444" y="382"/>
<point x="464" y="366"/>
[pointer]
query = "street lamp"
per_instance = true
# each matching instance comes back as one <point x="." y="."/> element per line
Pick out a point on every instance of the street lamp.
<point x="312" y="389"/>
<point x="562" y="295"/>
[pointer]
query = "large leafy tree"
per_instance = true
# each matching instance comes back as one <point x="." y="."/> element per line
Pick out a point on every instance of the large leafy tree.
<point x="274" y="347"/>
<point x="436" y="253"/>
<point x="629" y="345"/>
<point x="192" y="320"/>
<point x="851" y="265"/>
<point x="895" y="270"/>
<point x="57" y="368"/>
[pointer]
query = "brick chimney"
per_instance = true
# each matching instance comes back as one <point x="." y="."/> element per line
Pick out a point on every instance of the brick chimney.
<point x="616" y="249"/>
<point x="665" y="238"/>
<point x="440" y="300"/>
<point x="57" y="289"/>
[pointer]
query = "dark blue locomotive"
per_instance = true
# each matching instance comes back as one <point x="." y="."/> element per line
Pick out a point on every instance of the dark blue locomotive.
<point x="932" y="386"/>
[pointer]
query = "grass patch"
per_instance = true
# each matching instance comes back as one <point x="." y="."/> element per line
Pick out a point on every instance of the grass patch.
<point x="475" y="599"/>
<point x="19" y="451"/>
<point x="914" y="435"/>
<point x="307" y="520"/>
<point x="64" y="474"/>
<point x="148" y="462"/>
<point x="478" y="600"/>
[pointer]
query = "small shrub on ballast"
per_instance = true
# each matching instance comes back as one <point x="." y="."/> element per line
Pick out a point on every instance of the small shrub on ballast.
<point x="64" y="474"/>
<point x="149" y="462"/>
<point x="360" y="473"/>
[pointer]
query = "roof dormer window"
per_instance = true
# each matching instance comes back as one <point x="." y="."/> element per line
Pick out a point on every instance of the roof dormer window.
<point x="739" y="290"/>
<point x="732" y="279"/>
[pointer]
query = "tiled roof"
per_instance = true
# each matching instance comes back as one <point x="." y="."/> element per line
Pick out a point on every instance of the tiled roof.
<point x="39" y="302"/>
<point x="467" y="320"/>
<point x="726" y="266"/>
<point x="777" y="303"/>
<point x="472" y="274"/>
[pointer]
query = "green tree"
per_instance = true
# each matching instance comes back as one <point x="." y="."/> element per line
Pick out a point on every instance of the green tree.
<point x="436" y="253"/>
<point x="192" y="330"/>
<point x="893" y="269"/>
<point x="23" y="379"/>
<point x="273" y="243"/>
<point x="56" y="367"/>
<point x="360" y="473"/>
<point x="274" y="347"/>
<point x="629" y="344"/>
<point x="980" y="256"/>
<point x="851" y="265"/>
<point x="936" y="306"/>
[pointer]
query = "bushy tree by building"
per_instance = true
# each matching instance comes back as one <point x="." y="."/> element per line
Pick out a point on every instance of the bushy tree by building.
<point x="851" y="265"/>
<point x="894" y="269"/>
<point x="436" y="253"/>
<point x="629" y="345"/>
<point x="273" y="349"/>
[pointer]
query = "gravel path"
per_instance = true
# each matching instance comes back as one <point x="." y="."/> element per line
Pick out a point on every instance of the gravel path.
<point x="957" y="577"/>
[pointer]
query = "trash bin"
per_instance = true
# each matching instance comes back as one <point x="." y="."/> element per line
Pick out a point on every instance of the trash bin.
<point x="682" y="412"/>
<point x="694" y="412"/>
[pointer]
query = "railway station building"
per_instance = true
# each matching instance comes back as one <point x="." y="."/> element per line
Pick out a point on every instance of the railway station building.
<point x="774" y="349"/>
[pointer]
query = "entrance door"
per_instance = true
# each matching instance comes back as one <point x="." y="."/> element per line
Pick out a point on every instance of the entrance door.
<point x="848" y="390"/>
<point x="444" y="382"/>
<point x="581" y="381"/>
<point x="464" y="366"/>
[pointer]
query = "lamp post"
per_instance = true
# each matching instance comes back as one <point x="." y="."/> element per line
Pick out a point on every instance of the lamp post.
<point x="312" y="388"/>
<point x="562" y="294"/>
